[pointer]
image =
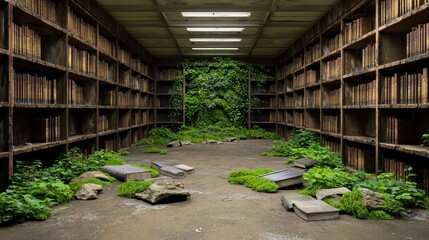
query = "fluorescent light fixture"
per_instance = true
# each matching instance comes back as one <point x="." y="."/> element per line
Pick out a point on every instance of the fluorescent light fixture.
<point x="216" y="14"/>
<point x="215" y="39"/>
<point x="216" y="49"/>
<point x="211" y="29"/>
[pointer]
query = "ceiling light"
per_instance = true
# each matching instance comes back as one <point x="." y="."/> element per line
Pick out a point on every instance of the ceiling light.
<point x="215" y="48"/>
<point x="215" y="29"/>
<point x="215" y="39"/>
<point x="216" y="14"/>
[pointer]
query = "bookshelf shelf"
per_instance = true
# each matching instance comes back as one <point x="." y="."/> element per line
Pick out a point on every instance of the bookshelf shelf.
<point x="336" y="135"/>
<point x="4" y="154"/>
<point x="361" y="42"/>
<point x="26" y="16"/>
<point x="43" y="106"/>
<point x="21" y="149"/>
<point x="33" y="63"/>
<point x="407" y="20"/>
<point x="360" y="139"/>
<point x="4" y="51"/>
<point x="411" y="149"/>
<point x="81" y="137"/>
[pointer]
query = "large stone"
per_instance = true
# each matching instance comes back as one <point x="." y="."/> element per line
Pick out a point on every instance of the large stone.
<point x="331" y="193"/>
<point x="289" y="200"/>
<point x="127" y="172"/>
<point x="92" y="174"/>
<point x="305" y="163"/>
<point x="164" y="191"/>
<point x="372" y="200"/>
<point x="286" y="177"/>
<point x="88" y="191"/>
<point x="174" y="144"/>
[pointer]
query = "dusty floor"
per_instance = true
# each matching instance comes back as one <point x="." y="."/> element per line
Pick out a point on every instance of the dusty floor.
<point x="215" y="210"/>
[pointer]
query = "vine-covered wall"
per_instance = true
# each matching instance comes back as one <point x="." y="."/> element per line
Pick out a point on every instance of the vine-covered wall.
<point x="217" y="91"/>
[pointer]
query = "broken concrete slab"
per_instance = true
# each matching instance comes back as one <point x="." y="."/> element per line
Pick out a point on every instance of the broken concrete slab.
<point x="91" y="174"/>
<point x="172" y="172"/>
<point x="331" y="192"/>
<point x="127" y="172"/>
<point x="315" y="210"/>
<point x="88" y="191"/>
<point x="157" y="165"/>
<point x="174" y="144"/>
<point x="187" y="169"/>
<point x="305" y="163"/>
<point x="162" y="191"/>
<point x="289" y="200"/>
<point x="286" y="177"/>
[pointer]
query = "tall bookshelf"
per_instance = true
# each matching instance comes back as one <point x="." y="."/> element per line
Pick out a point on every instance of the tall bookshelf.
<point x="69" y="77"/>
<point x="364" y="85"/>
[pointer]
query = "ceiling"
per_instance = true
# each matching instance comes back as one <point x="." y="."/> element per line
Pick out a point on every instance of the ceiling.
<point x="158" y="25"/>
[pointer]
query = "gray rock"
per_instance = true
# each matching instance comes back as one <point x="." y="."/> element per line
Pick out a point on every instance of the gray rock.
<point x="174" y="144"/>
<point x="91" y="174"/>
<point x="372" y="200"/>
<point x="230" y="139"/>
<point x="211" y="142"/>
<point x="88" y="191"/>
<point x="185" y="142"/>
<point x="162" y="178"/>
<point x="289" y="200"/>
<point x="332" y="192"/>
<point x="185" y="168"/>
<point x="164" y="190"/>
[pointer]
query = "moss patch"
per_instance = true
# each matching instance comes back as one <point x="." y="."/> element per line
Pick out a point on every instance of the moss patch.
<point x="130" y="188"/>
<point x="251" y="179"/>
<point x="74" y="186"/>
<point x="153" y="172"/>
<point x="156" y="150"/>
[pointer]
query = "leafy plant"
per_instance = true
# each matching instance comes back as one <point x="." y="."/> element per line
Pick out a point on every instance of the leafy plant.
<point x="251" y="179"/>
<point x="153" y="172"/>
<point x="156" y="150"/>
<point x="124" y="153"/>
<point x="130" y="188"/>
<point x="425" y="138"/>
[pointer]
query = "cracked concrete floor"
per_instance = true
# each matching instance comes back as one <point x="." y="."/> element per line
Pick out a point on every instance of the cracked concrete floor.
<point x="215" y="210"/>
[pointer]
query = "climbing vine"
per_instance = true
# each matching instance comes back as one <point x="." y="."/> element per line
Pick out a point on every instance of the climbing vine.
<point x="217" y="91"/>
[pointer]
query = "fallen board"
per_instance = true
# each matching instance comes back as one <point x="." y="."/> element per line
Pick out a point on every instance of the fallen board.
<point x="286" y="177"/>
<point x="304" y="163"/>
<point x="315" y="210"/>
<point x="185" y="168"/>
<point x="126" y="172"/>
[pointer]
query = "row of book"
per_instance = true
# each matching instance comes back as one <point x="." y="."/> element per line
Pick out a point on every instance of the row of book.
<point x="165" y="74"/>
<point x="368" y="56"/>
<point x="312" y="53"/>
<point x="125" y="77"/>
<point x="105" y="71"/>
<point x="281" y="117"/>
<point x="360" y="159"/>
<point x="298" y="62"/>
<point x="44" y="8"/>
<point x="78" y="27"/>
<point x="108" y="145"/>
<point x="76" y="91"/>
<point x="298" y="119"/>
<point x="46" y="129"/>
<point x="333" y="69"/>
<point x="392" y="9"/>
<point x="33" y="88"/>
<point x="299" y="100"/>
<point x="331" y="123"/>
<point x="106" y="46"/>
<point x="289" y="69"/>
<point x="81" y="61"/>
<point x="312" y="76"/>
<point x="146" y="117"/>
<point x="398" y="168"/>
<point x="332" y="98"/>
<point x="314" y="98"/>
<point x="280" y="73"/>
<point x="108" y="98"/>
<point x="124" y="99"/>
<point x="27" y="41"/>
<point x="103" y="123"/>
<point x="405" y="88"/>
<point x="135" y="119"/>
<point x="139" y="66"/>
<point x="281" y="102"/>
<point x="363" y="94"/>
<point x="399" y="130"/>
<point x="418" y="40"/>
<point x="124" y="56"/>
<point x="334" y="146"/>
<point x="357" y="28"/>
<point x="289" y="117"/>
<point x="124" y="120"/>
<point x="332" y="44"/>
<point x="289" y="102"/>
<point x="299" y="81"/>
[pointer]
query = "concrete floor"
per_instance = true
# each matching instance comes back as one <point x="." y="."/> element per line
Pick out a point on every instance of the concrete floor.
<point x="215" y="210"/>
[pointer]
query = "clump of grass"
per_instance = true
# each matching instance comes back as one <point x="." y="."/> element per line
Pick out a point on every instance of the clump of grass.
<point x="156" y="150"/>
<point x="251" y="179"/>
<point x="74" y="186"/>
<point x="130" y="188"/>
<point x="124" y="153"/>
<point x="153" y="172"/>
<point x="115" y="161"/>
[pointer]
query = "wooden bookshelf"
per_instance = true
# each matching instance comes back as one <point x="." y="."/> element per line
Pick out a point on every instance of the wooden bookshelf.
<point x="373" y="99"/>
<point x="69" y="77"/>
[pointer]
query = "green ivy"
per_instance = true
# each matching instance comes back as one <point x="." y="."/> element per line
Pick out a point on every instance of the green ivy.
<point x="217" y="91"/>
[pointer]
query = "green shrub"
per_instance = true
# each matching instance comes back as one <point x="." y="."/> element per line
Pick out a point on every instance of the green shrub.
<point x="379" y="215"/>
<point x="153" y="172"/>
<point x="251" y="179"/>
<point x="124" y="153"/>
<point x="130" y="188"/>
<point x="162" y="136"/>
<point x="352" y="204"/>
<point x="156" y="150"/>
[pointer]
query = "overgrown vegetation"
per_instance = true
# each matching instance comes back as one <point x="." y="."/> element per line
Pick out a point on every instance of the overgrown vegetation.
<point x="425" y="138"/>
<point x="75" y="185"/>
<point x="34" y="189"/>
<point x="217" y="91"/>
<point x="130" y="188"/>
<point x="156" y="150"/>
<point x="153" y="172"/>
<point x="251" y="179"/>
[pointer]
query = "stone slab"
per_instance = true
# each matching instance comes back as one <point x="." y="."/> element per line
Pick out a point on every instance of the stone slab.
<point x="304" y="163"/>
<point x="286" y="177"/>
<point x="315" y="210"/>
<point x="174" y="144"/>
<point x="185" y="168"/>
<point x="323" y="193"/>
<point x="157" y="165"/>
<point x="289" y="200"/>
<point x="127" y="172"/>
<point x="172" y="172"/>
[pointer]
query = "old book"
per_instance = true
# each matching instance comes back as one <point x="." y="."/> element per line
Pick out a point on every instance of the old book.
<point x="185" y="168"/>
<point x="127" y="172"/>
<point x="40" y="130"/>
<point x="171" y="171"/>
<point x="424" y="85"/>
<point x="286" y="177"/>
<point x="289" y="200"/>
<point x="315" y="210"/>
<point x="305" y="163"/>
